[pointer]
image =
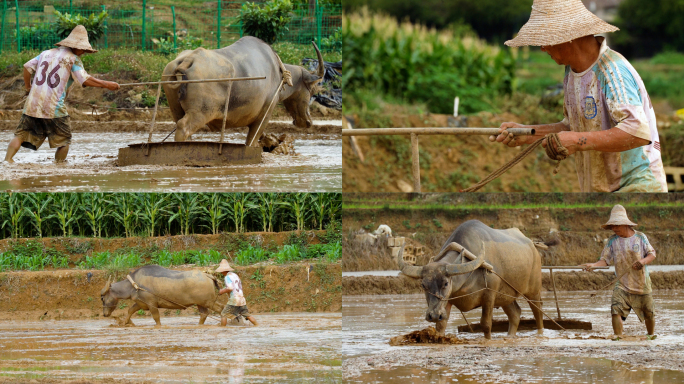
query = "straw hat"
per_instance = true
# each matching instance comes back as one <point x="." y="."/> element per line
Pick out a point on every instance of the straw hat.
<point x="554" y="22"/>
<point x="224" y="267"/>
<point x="618" y="216"/>
<point x="78" y="38"/>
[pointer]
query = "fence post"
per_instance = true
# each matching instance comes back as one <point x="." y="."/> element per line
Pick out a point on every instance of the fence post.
<point x="106" y="30"/>
<point x="218" y="22"/>
<point x="71" y="7"/>
<point x="16" y="4"/>
<point x="319" y="22"/>
<point x="143" y="26"/>
<point x="2" y="31"/>
<point x="173" y="13"/>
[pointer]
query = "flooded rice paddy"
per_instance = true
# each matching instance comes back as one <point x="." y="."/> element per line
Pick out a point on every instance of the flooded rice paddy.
<point x="572" y="356"/>
<point x="91" y="166"/>
<point x="287" y="347"/>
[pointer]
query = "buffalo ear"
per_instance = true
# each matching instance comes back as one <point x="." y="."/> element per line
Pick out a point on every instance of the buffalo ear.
<point x="311" y="79"/>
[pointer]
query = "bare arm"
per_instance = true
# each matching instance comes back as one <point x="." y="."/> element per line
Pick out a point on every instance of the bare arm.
<point x="225" y="290"/>
<point x="27" y="80"/>
<point x="93" y="82"/>
<point x="611" y="140"/>
<point x="590" y="266"/>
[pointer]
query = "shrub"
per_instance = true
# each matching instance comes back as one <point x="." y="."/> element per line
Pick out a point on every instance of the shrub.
<point x="251" y="255"/>
<point x="332" y="42"/>
<point x="289" y="253"/>
<point x="268" y="22"/>
<point x="94" y="24"/>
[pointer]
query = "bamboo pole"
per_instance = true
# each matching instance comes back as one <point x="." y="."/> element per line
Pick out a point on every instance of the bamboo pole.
<point x="555" y="296"/>
<point x="154" y="118"/>
<point x="415" y="159"/>
<point x="433" y="131"/>
<point x="195" y="81"/>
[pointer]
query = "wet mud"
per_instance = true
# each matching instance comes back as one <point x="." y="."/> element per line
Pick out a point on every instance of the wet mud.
<point x="573" y="356"/>
<point x="428" y="335"/>
<point x="289" y="348"/>
<point x="91" y="166"/>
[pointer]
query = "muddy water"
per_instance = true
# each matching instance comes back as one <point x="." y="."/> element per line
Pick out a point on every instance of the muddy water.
<point x="317" y="167"/>
<point x="369" y="322"/>
<point x="285" y="348"/>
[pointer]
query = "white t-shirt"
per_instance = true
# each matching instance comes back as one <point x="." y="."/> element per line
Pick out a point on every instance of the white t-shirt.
<point x="622" y="252"/>
<point x="55" y="70"/>
<point x="237" y="297"/>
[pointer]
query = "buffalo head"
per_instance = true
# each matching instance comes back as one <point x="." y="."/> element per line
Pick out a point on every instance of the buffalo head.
<point x="439" y="280"/>
<point x="109" y="301"/>
<point x="297" y="104"/>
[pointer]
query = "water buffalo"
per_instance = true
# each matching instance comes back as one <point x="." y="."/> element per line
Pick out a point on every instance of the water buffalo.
<point x="452" y="275"/>
<point x="197" y="104"/>
<point x="184" y="287"/>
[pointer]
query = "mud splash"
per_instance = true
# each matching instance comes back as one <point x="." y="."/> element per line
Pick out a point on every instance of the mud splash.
<point x="428" y="335"/>
<point x="284" y="348"/>
<point x="92" y="166"/>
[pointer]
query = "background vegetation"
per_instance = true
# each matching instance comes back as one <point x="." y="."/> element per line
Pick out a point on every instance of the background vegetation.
<point x="155" y="214"/>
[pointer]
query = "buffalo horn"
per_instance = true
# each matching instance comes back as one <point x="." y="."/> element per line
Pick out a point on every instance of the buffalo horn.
<point x="107" y="286"/>
<point x="321" y="63"/>
<point x="459" y="269"/>
<point x="408" y="270"/>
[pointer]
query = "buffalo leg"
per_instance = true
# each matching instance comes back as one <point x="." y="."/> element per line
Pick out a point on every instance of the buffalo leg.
<point x="155" y="315"/>
<point x="203" y="314"/>
<point x="253" y="129"/>
<point x="536" y="307"/>
<point x="131" y="311"/>
<point x="513" y="311"/>
<point x="487" y="311"/>
<point x="440" y="326"/>
<point x="189" y="124"/>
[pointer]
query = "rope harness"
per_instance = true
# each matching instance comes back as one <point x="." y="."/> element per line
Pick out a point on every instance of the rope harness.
<point x="594" y="296"/>
<point x="554" y="150"/>
<point x="484" y="271"/>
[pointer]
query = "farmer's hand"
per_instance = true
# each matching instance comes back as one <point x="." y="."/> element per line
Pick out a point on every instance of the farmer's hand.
<point x="570" y="140"/>
<point x="113" y="86"/>
<point x="638" y="265"/>
<point x="589" y="267"/>
<point x="507" y="138"/>
<point x="28" y="90"/>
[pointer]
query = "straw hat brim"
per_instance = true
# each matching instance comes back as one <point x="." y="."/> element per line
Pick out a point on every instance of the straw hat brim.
<point x="73" y="46"/>
<point x="552" y="26"/>
<point x="224" y="268"/>
<point x="610" y="223"/>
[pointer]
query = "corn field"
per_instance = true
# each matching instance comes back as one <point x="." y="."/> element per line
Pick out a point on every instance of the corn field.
<point x="418" y="64"/>
<point x="26" y="215"/>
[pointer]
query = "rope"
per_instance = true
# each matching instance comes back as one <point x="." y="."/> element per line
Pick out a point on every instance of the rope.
<point x="615" y="280"/>
<point x="554" y="150"/>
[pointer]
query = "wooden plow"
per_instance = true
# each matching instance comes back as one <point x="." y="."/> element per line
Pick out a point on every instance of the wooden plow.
<point x="500" y="325"/>
<point x="189" y="153"/>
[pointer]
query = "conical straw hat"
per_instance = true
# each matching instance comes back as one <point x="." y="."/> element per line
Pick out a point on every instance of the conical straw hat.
<point x="554" y="22"/>
<point x="78" y="38"/>
<point x="224" y="267"/>
<point x="618" y="216"/>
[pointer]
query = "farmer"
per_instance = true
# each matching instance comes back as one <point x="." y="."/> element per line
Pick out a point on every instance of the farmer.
<point x="609" y="122"/>
<point x="236" y="305"/>
<point x="45" y="113"/>
<point x="630" y="252"/>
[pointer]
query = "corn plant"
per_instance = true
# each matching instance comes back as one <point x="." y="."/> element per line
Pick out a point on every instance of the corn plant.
<point x="251" y="255"/>
<point x="299" y="209"/>
<point x="214" y="209"/>
<point x="155" y="206"/>
<point x="15" y="211"/>
<point x="289" y="253"/>
<point x="96" y="212"/>
<point x="268" y="205"/>
<point x="238" y="204"/>
<point x="187" y="208"/>
<point x="66" y="210"/>
<point x="38" y="208"/>
<point x="126" y="212"/>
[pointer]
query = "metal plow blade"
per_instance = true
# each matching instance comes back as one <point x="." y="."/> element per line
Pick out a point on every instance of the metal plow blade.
<point x="189" y="153"/>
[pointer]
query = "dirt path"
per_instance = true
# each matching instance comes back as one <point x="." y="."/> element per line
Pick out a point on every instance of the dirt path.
<point x="290" y="347"/>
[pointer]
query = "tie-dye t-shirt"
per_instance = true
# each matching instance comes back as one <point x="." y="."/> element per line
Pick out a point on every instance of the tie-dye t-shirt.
<point x="237" y="297"/>
<point x="623" y="252"/>
<point x="611" y="94"/>
<point x="55" y="70"/>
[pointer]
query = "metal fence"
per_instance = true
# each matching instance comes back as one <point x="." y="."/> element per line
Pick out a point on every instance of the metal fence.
<point x="143" y="27"/>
